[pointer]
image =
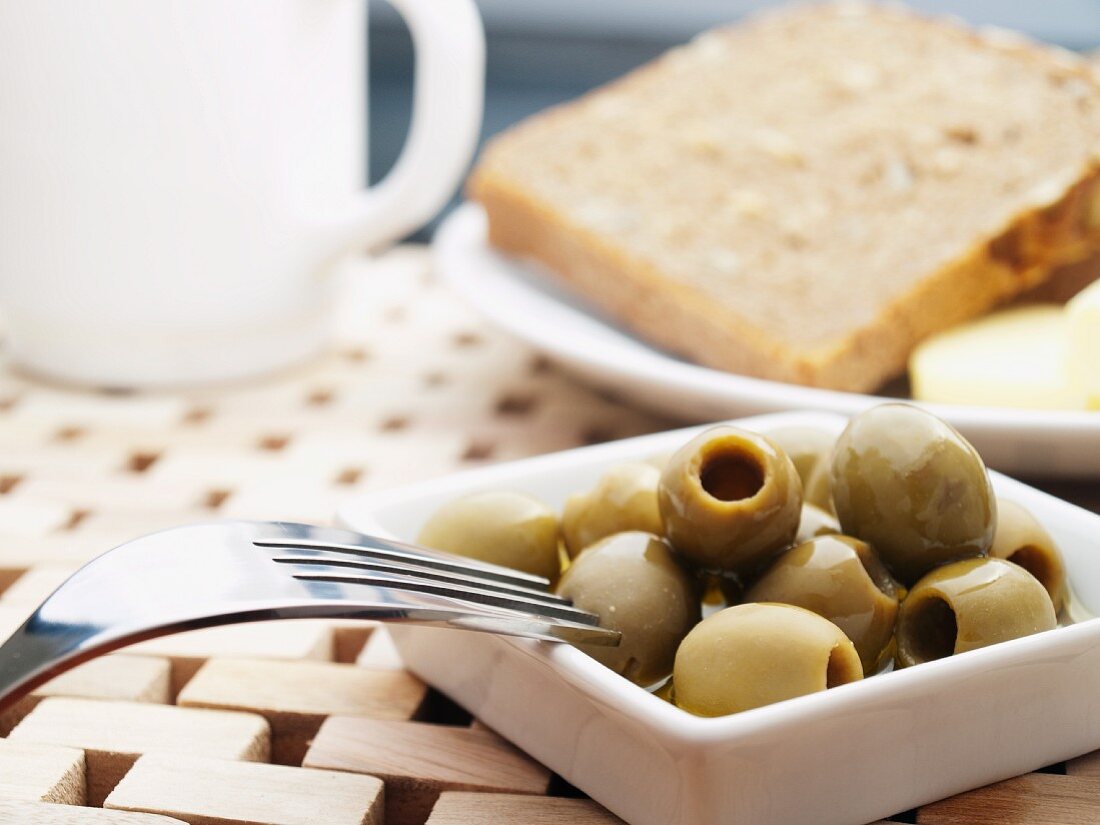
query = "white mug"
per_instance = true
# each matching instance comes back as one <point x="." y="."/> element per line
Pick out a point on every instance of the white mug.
<point x="177" y="176"/>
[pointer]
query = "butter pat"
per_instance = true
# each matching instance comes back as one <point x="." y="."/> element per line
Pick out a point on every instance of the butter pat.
<point x="1016" y="357"/>
<point x="1083" y="321"/>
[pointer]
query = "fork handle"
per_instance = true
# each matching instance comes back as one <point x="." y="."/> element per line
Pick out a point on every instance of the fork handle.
<point x="28" y="659"/>
<point x="41" y="650"/>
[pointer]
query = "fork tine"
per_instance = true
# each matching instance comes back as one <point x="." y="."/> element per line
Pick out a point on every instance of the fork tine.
<point x="397" y="551"/>
<point x="466" y="593"/>
<point x="206" y="575"/>
<point x="408" y="568"/>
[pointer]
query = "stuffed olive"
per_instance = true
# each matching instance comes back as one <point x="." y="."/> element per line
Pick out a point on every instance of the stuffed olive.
<point x="755" y="654"/>
<point x="509" y="529"/>
<point x="839" y="578"/>
<point x="970" y="604"/>
<point x="907" y="483"/>
<point x="1021" y="539"/>
<point x="730" y="500"/>
<point x="635" y="584"/>
<point x="625" y="498"/>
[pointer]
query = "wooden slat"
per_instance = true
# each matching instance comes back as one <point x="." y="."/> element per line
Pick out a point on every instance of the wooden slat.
<point x="380" y="651"/>
<point x="420" y="761"/>
<point x="1034" y="799"/>
<point x="296" y="697"/>
<point x="71" y="547"/>
<point x="11" y="618"/>
<point x="32" y="516"/>
<point x="144" y="491"/>
<point x="114" y="734"/>
<point x="40" y="813"/>
<point x="123" y="678"/>
<point x="59" y="407"/>
<point x="299" y="639"/>
<point x="349" y="638"/>
<point x="36" y="584"/>
<point x="9" y="574"/>
<point x="457" y="808"/>
<point x="215" y="792"/>
<point x="118" y="678"/>
<point x="44" y="773"/>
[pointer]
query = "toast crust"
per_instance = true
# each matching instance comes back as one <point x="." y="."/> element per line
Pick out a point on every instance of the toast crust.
<point x="1012" y="255"/>
<point x="688" y="323"/>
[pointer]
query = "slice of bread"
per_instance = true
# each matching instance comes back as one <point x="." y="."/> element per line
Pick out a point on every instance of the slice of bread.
<point x="1065" y="282"/>
<point x="807" y="195"/>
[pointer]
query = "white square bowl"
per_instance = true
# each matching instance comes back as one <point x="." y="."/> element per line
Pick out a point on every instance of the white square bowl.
<point x="846" y="756"/>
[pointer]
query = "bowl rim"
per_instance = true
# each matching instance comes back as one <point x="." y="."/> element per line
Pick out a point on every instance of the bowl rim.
<point x="673" y="725"/>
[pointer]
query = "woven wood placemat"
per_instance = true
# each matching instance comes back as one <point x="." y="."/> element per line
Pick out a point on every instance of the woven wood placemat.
<point x="415" y="386"/>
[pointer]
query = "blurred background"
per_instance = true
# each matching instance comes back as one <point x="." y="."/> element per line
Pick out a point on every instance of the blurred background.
<point x="541" y="52"/>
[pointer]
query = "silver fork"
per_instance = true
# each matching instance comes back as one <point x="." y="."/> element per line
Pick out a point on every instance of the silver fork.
<point x="225" y="573"/>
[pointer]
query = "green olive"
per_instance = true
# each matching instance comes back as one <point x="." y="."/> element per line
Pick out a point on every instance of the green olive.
<point x="815" y="522"/>
<point x="1020" y="538"/>
<point x="665" y="691"/>
<point x="730" y="500"/>
<point x="818" y="489"/>
<point x="908" y="484"/>
<point x="625" y="498"/>
<point x="755" y="654"/>
<point x="970" y="604"/>
<point x="719" y="590"/>
<point x="805" y="446"/>
<point x="635" y="584"/>
<point x="509" y="529"/>
<point x="841" y="579"/>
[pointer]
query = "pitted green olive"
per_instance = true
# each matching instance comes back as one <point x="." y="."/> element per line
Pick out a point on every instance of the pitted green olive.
<point x="805" y="446"/>
<point x="1020" y="538"/>
<point x="815" y="522"/>
<point x="911" y="486"/>
<point x="509" y="529"/>
<point x="818" y="489"/>
<point x="840" y="579"/>
<point x="625" y="498"/>
<point x="970" y="604"/>
<point x="635" y="584"/>
<point x="755" y="654"/>
<point x="730" y="500"/>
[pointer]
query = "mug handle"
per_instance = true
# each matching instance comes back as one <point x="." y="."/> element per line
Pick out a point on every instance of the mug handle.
<point x="449" y="42"/>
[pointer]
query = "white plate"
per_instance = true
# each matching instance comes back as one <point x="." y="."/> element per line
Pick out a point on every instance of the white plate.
<point x="516" y="297"/>
<point x="843" y="757"/>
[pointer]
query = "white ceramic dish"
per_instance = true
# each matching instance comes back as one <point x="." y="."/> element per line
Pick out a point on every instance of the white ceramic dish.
<point x="514" y="296"/>
<point x="843" y="757"/>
